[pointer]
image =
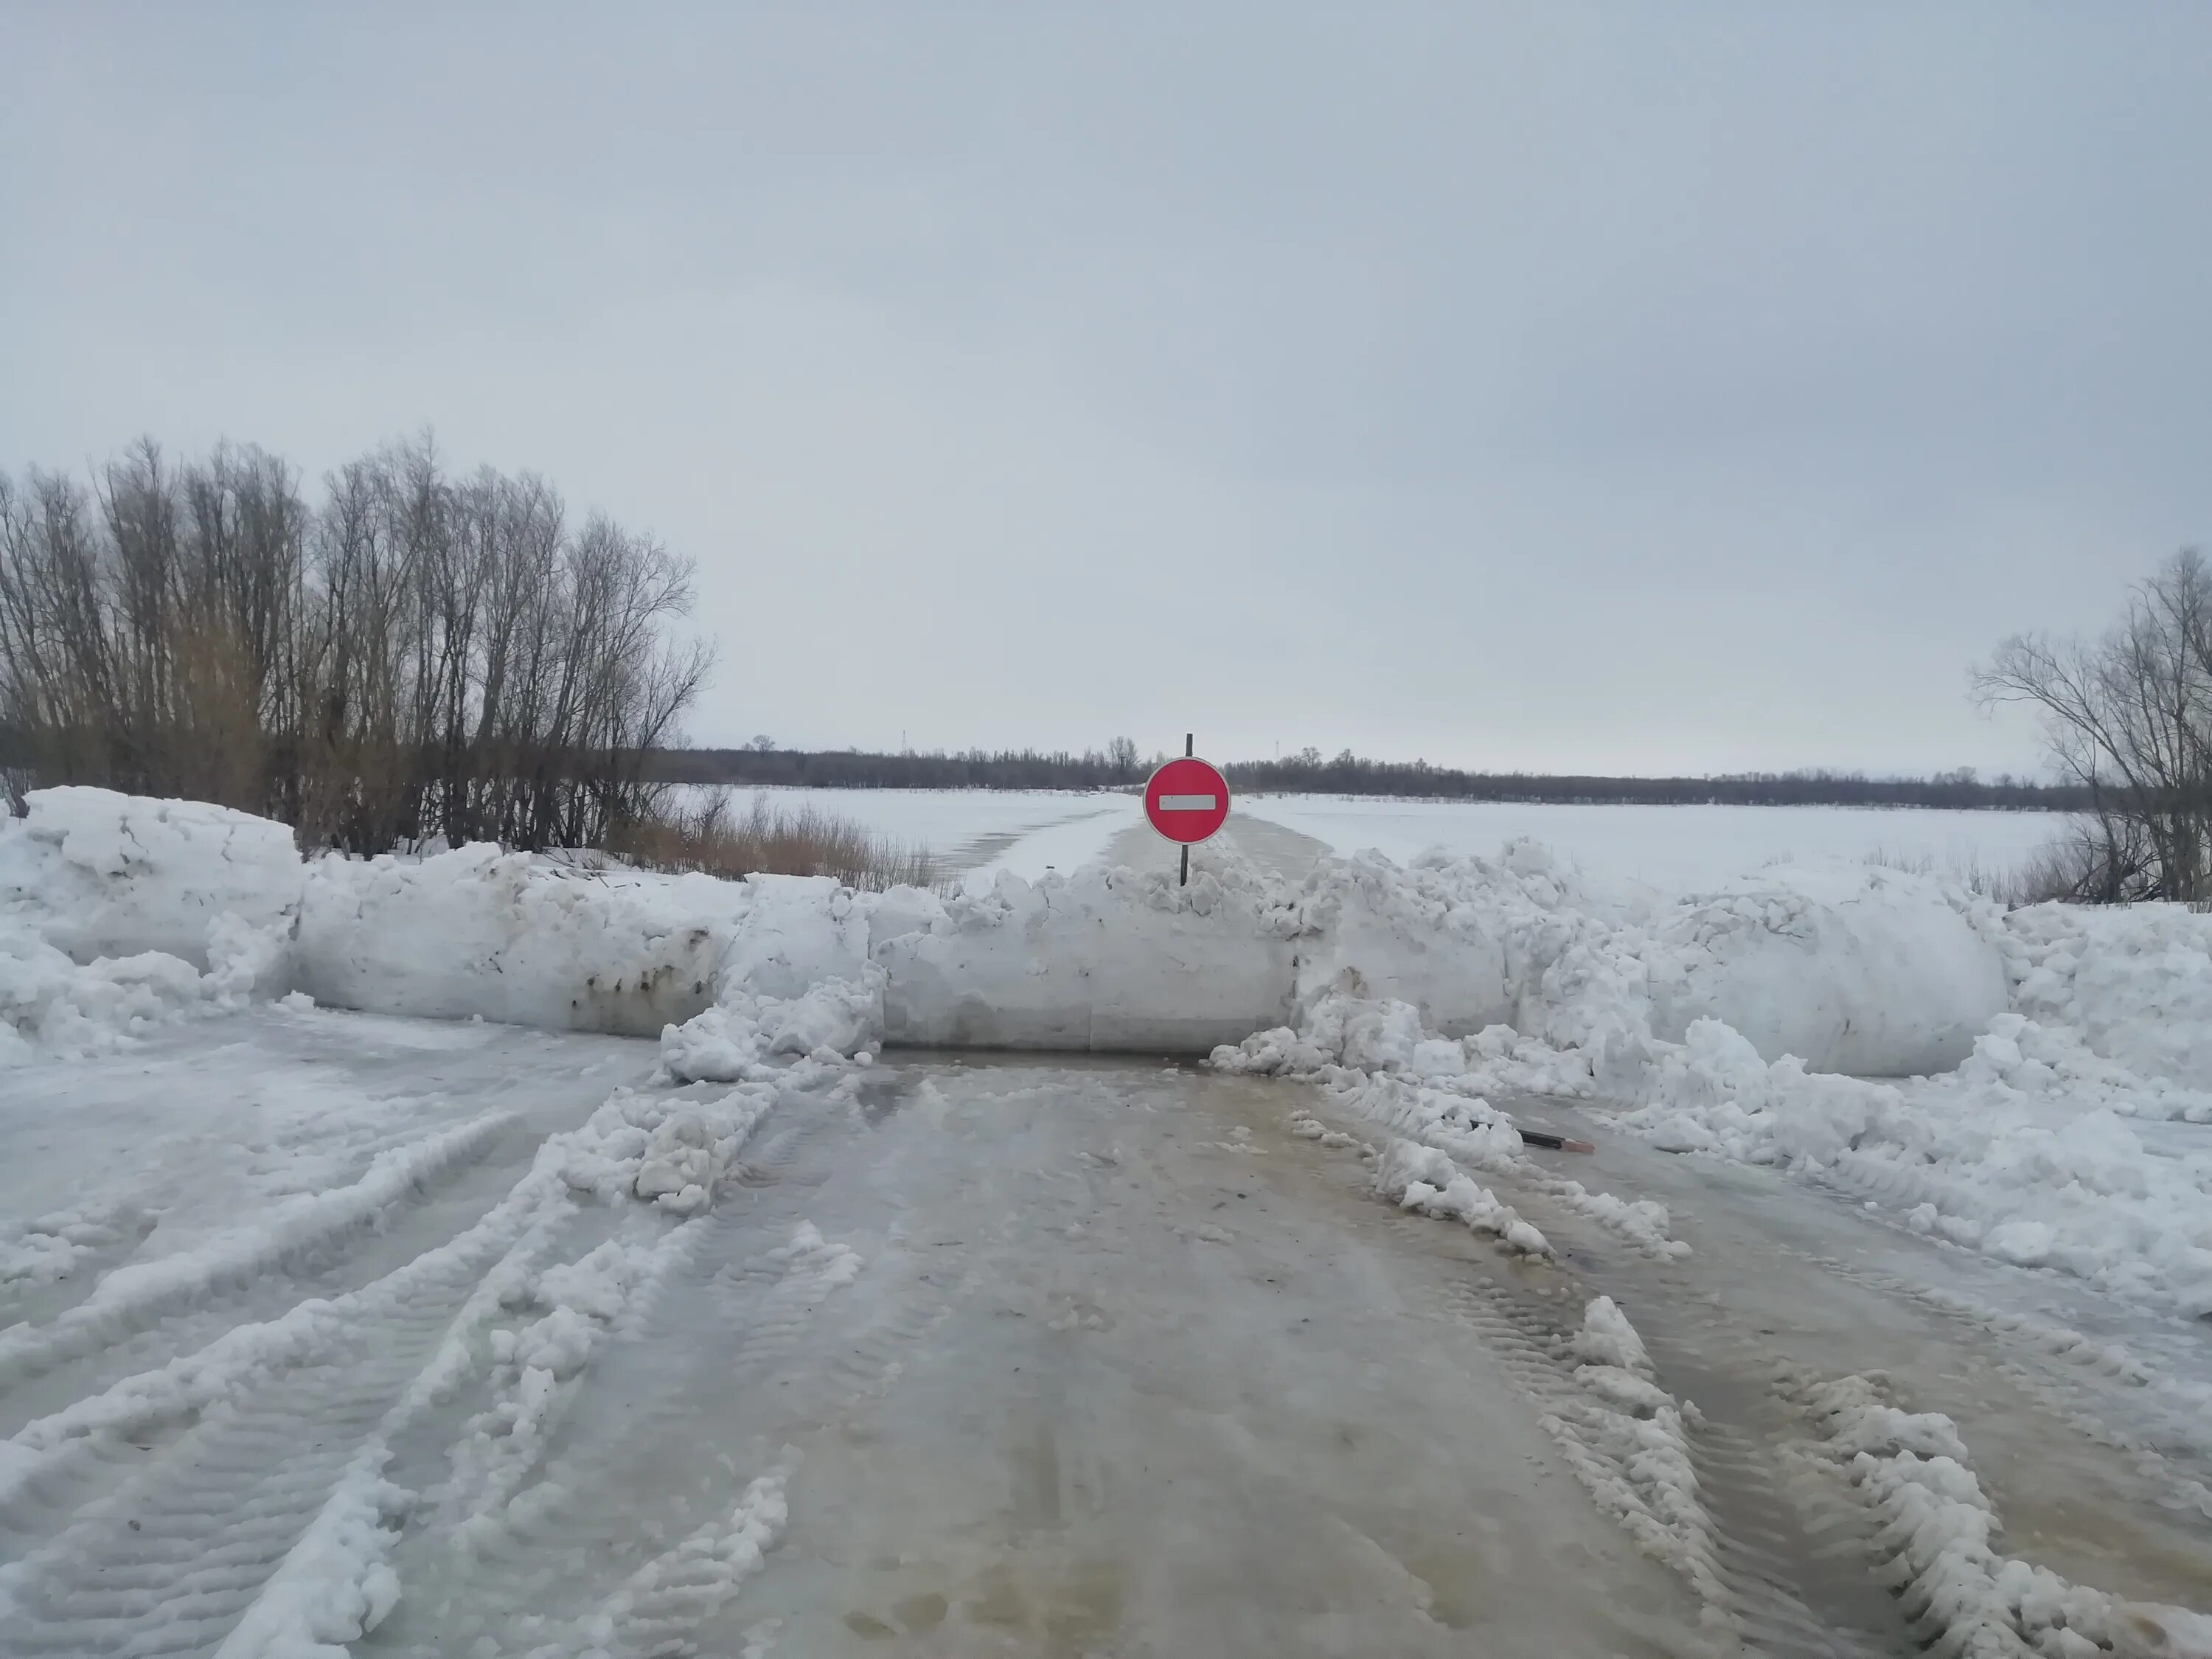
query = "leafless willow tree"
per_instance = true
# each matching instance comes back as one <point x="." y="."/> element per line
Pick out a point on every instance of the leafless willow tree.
<point x="2129" y="718"/>
<point x="420" y="656"/>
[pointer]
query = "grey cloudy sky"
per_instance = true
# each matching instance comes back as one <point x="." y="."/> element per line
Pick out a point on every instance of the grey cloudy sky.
<point x="1625" y="388"/>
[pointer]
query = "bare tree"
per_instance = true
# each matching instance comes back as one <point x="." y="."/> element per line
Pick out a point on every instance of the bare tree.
<point x="2129" y="719"/>
<point x="421" y="656"/>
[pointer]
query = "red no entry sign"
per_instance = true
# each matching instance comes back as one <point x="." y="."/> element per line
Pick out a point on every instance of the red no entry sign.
<point x="1187" y="800"/>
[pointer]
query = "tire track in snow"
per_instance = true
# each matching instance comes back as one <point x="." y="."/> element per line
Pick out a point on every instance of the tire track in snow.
<point x="168" y="1562"/>
<point x="1803" y="1534"/>
<point x="2081" y="1379"/>
<point x="48" y="1463"/>
<point x="1749" y="1555"/>
<point x="267" y="1522"/>
<point x="64" y="1244"/>
<point x="1936" y="1537"/>
<point x="136" y="1294"/>
<point x="734" y="1237"/>
<point x="754" y="1341"/>
<point x="654" y="1609"/>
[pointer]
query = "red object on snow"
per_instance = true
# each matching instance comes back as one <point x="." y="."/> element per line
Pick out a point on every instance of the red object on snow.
<point x="1187" y="800"/>
<point x="1557" y="1143"/>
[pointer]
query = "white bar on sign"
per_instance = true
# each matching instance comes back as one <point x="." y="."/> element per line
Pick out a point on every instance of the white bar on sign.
<point x="1186" y="803"/>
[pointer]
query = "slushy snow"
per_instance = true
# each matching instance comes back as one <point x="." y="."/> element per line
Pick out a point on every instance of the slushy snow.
<point x="1943" y="1538"/>
<point x="1627" y="1440"/>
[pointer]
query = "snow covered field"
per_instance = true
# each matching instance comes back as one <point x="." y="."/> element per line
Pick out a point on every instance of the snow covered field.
<point x="1675" y="849"/>
<point x="336" y="1330"/>
<point x="983" y="830"/>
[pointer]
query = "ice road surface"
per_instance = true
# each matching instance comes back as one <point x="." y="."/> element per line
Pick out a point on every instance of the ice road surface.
<point x="1674" y="849"/>
<point x="335" y="1332"/>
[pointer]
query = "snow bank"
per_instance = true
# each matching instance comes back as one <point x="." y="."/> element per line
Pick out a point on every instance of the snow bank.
<point x="1851" y="968"/>
<point x="1464" y="940"/>
<point x="790" y="933"/>
<point x="1415" y="936"/>
<point x="2136" y="980"/>
<point x="1105" y="959"/>
<point x="51" y="1005"/>
<point x="112" y="906"/>
<point x="2024" y="1153"/>
<point x="95" y="874"/>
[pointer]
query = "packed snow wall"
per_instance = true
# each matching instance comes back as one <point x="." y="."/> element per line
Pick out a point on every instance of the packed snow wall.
<point x="1855" y="969"/>
<point x="1105" y="960"/>
<point x="1100" y="960"/>
<point x="504" y="936"/>
<point x="1432" y="935"/>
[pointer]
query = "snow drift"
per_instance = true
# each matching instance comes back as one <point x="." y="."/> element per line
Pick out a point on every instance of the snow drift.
<point x="2136" y="980"/>
<point x="51" y="1004"/>
<point x="1849" y="967"/>
<point x="119" y="913"/>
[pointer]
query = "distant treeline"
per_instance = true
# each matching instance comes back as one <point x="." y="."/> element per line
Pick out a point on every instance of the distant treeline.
<point x="1308" y="773"/>
<point x="1118" y="764"/>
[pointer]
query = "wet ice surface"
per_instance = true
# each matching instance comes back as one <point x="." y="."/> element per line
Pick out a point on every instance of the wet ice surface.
<point x="1111" y="1379"/>
<point x="1194" y="1398"/>
<point x="1019" y="1356"/>
<point x="2090" y="1419"/>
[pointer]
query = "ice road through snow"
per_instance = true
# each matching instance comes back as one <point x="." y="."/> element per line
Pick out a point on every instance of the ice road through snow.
<point x="355" y="1336"/>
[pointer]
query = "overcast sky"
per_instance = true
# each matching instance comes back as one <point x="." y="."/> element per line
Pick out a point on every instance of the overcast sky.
<point x="1632" y="388"/>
